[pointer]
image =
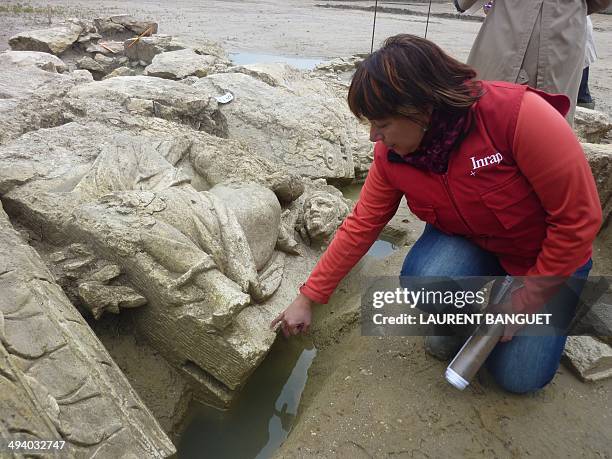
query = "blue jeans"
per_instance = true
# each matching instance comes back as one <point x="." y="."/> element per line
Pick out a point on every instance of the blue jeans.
<point x="524" y="364"/>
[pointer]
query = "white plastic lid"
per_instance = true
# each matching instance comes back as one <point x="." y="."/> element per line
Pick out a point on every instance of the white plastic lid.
<point x="225" y="98"/>
<point x="455" y="379"/>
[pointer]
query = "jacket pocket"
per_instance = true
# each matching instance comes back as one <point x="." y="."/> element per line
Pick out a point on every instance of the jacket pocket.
<point x="425" y="213"/>
<point x="513" y="203"/>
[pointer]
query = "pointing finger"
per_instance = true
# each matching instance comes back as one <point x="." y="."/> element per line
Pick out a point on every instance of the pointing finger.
<point x="276" y="320"/>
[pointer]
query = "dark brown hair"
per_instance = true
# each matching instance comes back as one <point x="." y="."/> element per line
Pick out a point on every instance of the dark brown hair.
<point x="408" y="76"/>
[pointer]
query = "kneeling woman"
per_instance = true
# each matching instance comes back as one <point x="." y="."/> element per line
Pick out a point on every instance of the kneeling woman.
<point x="493" y="169"/>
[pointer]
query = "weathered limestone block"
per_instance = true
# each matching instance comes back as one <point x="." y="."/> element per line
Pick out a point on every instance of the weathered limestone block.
<point x="101" y="65"/>
<point x="87" y="26"/>
<point x="340" y="64"/>
<point x="149" y="96"/>
<point x="55" y="40"/>
<point x="21" y="78"/>
<point x="87" y="37"/>
<point x="57" y="159"/>
<point x="108" y="48"/>
<point x="100" y="298"/>
<point x="82" y="76"/>
<point x="212" y="48"/>
<point x="88" y="63"/>
<point x="50" y="159"/>
<point x="272" y="74"/>
<point x="258" y="212"/>
<point x="120" y="71"/>
<point x="163" y="389"/>
<point x="176" y="65"/>
<point x="590" y="125"/>
<point x="227" y="161"/>
<point x="23" y="416"/>
<point x="109" y="28"/>
<point x="110" y="63"/>
<point x="44" y="61"/>
<point x="591" y="358"/>
<point x="75" y="390"/>
<point x="311" y="85"/>
<point x="135" y="25"/>
<point x="121" y="24"/>
<point x="307" y="128"/>
<point x="600" y="160"/>
<point x="31" y="98"/>
<point x="596" y="320"/>
<point x="146" y="48"/>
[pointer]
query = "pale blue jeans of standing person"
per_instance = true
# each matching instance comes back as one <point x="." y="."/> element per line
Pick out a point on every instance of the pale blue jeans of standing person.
<point x="524" y="364"/>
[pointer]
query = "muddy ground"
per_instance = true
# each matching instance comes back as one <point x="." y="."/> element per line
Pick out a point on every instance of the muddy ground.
<point x="371" y="397"/>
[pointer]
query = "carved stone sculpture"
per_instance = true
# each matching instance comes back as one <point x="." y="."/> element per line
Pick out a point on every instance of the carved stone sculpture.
<point x="62" y="384"/>
<point x="137" y="201"/>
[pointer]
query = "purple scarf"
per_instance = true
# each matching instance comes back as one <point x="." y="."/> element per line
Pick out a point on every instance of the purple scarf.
<point x="445" y="133"/>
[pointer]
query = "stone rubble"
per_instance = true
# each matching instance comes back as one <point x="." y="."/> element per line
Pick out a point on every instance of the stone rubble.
<point x="301" y="125"/>
<point x="122" y="24"/>
<point x="146" y="48"/>
<point x="590" y="358"/>
<point x="55" y="40"/>
<point x="591" y="126"/>
<point x="43" y="61"/>
<point x="176" y="65"/>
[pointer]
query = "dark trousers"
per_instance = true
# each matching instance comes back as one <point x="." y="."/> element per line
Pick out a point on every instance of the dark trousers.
<point x="584" y="96"/>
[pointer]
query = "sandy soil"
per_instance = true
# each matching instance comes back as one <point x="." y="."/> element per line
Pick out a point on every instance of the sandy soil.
<point x="369" y="397"/>
<point x="385" y="398"/>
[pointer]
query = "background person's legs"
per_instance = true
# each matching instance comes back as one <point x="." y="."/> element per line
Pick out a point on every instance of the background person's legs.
<point x="584" y="95"/>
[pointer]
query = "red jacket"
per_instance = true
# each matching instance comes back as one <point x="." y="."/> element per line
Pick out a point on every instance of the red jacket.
<point x="519" y="186"/>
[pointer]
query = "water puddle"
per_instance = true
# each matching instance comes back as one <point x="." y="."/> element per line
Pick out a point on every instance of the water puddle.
<point x="382" y="249"/>
<point x="263" y="414"/>
<point x="254" y="58"/>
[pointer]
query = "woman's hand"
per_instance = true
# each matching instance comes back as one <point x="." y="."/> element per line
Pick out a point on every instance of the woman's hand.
<point x="509" y="329"/>
<point x="296" y="318"/>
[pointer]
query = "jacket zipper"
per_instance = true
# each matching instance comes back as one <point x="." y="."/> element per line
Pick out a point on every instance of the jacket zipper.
<point x="453" y="202"/>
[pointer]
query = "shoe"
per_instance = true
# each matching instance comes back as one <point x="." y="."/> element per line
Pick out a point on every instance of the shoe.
<point x="444" y="347"/>
<point x="589" y="105"/>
